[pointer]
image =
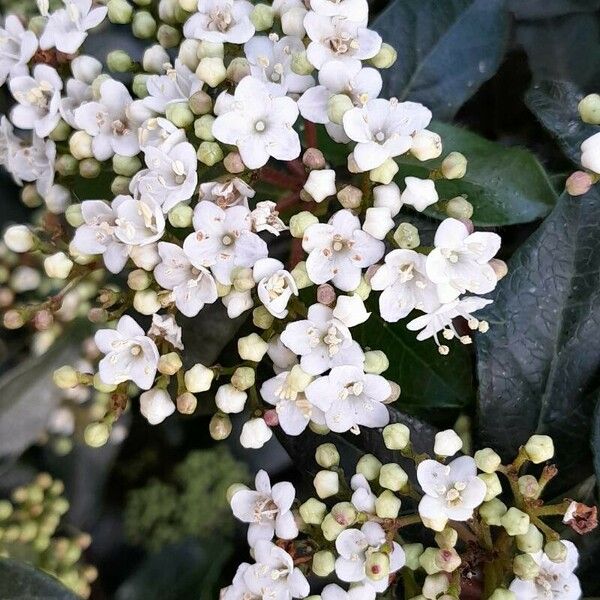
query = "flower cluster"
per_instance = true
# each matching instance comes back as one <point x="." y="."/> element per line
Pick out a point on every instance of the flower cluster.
<point x="362" y="532"/>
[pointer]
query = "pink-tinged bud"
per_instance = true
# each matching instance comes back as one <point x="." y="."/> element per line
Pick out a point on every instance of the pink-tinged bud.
<point x="581" y="518"/>
<point x="579" y="183"/>
<point x="468" y="224"/>
<point x="233" y="163"/>
<point x="43" y="320"/>
<point x="13" y="320"/>
<point x="271" y="418"/>
<point x="313" y="159"/>
<point x="325" y="294"/>
<point x="500" y="268"/>
<point x="98" y="315"/>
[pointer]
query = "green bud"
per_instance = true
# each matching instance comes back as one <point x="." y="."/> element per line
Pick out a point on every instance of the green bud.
<point x="313" y="511"/>
<point x="556" y="551"/>
<point x="37" y="24"/>
<point x="30" y="197"/>
<point x="435" y="585"/>
<point x="589" y="109"/>
<point x="412" y="552"/>
<point x="243" y="378"/>
<point x="89" y="168"/>
<point x="139" y="85"/>
<point x="396" y="436"/>
<point x="487" y="460"/>
<point x="301" y="65"/>
<point x="126" y="165"/>
<point x="377" y="566"/>
<point x="446" y="538"/>
<point x="66" y="165"/>
<point x="210" y="153"/>
<point x="327" y="456"/>
<point x="385" y="58"/>
<point x="101" y="386"/>
<point x="138" y="279"/>
<point x="393" y="477"/>
<point x="203" y="128"/>
<point x="539" y="448"/>
<point x="144" y="25"/>
<point x="262" y="318"/>
<point x="326" y="483"/>
<point x="344" y="514"/>
<point x="376" y="362"/>
<point x="428" y="561"/>
<point x="96" y="84"/>
<point x="459" y="208"/>
<point x="493" y="511"/>
<point x="119" y="11"/>
<point x="515" y="521"/>
<point x="61" y="132"/>
<point x="300" y="221"/>
<point x="180" y="114"/>
<point x="119" y="61"/>
<point x="120" y="185"/>
<point x="454" y="166"/>
<point x="331" y="528"/>
<point x="65" y="377"/>
<point x="180" y="216"/>
<point x="262" y="17"/>
<point x="502" y="594"/>
<point x="384" y="173"/>
<point x="407" y="236"/>
<point x="220" y="426"/>
<point x="300" y="275"/>
<point x="208" y="49"/>
<point x="525" y="567"/>
<point x="529" y="486"/>
<point x="168" y="36"/>
<point x="337" y="106"/>
<point x="532" y="541"/>
<point x="6" y="510"/>
<point x="369" y="466"/>
<point x="387" y="505"/>
<point x="492" y="484"/>
<point x="323" y="563"/>
<point x="96" y="434"/>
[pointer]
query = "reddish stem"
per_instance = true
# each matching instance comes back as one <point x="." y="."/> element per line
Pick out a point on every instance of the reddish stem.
<point x="310" y="134"/>
<point x="280" y="179"/>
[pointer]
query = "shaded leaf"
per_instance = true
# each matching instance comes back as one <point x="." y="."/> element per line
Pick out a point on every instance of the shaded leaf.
<point x="505" y="185"/>
<point x="446" y="50"/>
<point x="554" y="103"/>
<point x="20" y="581"/>
<point x="543" y="9"/>
<point x="538" y="365"/>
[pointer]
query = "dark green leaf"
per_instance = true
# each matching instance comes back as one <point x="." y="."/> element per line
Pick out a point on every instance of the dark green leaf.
<point x="20" y="581"/>
<point x="596" y="443"/>
<point x="538" y="365"/>
<point x="544" y="9"/>
<point x="554" y="103"/>
<point x="505" y="185"/>
<point x="446" y="50"/>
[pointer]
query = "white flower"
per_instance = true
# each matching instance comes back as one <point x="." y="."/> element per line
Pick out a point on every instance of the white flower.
<point x="225" y="194"/>
<point x="67" y="27"/>
<point x="160" y="133"/>
<point x="350" y="398"/>
<point x="419" y="193"/>
<point x="110" y="122"/>
<point x="221" y="21"/>
<point x="452" y="491"/>
<point x="357" y="592"/>
<point x="353" y="545"/>
<point x="447" y="443"/>
<point x="267" y="509"/>
<point x="556" y="581"/>
<point x="165" y="327"/>
<point x="350" y="310"/>
<point x="270" y="61"/>
<point x="378" y="222"/>
<point x="259" y="124"/>
<point x="18" y="46"/>
<point x="79" y="87"/>
<point x="265" y="217"/>
<point x="322" y="341"/>
<point x="405" y="285"/>
<point x="275" y="286"/>
<point x="156" y="405"/>
<point x="137" y="222"/>
<point x="171" y="176"/>
<point x="320" y="184"/>
<point x="339" y="77"/>
<point x="441" y="318"/>
<point x="388" y="196"/>
<point x="223" y="240"/>
<point x="363" y="498"/>
<point x="255" y="433"/>
<point x="339" y="38"/>
<point x="356" y="10"/>
<point x="130" y="354"/>
<point x="293" y="408"/>
<point x="237" y="303"/>
<point x="273" y="576"/>
<point x="178" y="84"/>
<point x="460" y="260"/>
<point x="590" y="153"/>
<point x="192" y="287"/>
<point x="38" y="100"/>
<point x="339" y="250"/>
<point x="283" y="358"/>
<point x="383" y="129"/>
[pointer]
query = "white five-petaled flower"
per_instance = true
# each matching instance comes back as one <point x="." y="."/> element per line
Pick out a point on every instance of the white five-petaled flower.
<point x="221" y="21"/>
<point x="322" y="341"/>
<point x="339" y="38"/>
<point x="265" y="217"/>
<point x="192" y="287"/>
<point x="356" y="592"/>
<point x="171" y="176"/>
<point x="159" y="132"/>
<point x="130" y="354"/>
<point x="67" y="27"/>
<point x="356" y="10"/>
<point x="223" y="240"/>
<point x="17" y="46"/>
<point x="228" y="193"/>
<point x="258" y="123"/>
<point x="352" y="546"/>
<point x="350" y="398"/>
<point x="556" y="580"/>
<point x="109" y="122"/>
<point x="165" y="327"/>
<point x="178" y="84"/>
<point x="363" y="499"/>
<point x="452" y="491"/>
<point x="275" y="286"/>
<point x="383" y="129"/>
<point x="339" y="77"/>
<point x="270" y="61"/>
<point x="38" y="98"/>
<point x="405" y="285"/>
<point x="267" y="509"/>
<point x="79" y="87"/>
<point x="460" y="260"/>
<point x="137" y="222"/>
<point x="339" y="250"/>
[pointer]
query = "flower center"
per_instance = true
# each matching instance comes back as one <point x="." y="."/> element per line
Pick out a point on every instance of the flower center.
<point x="333" y="340"/>
<point x="265" y="510"/>
<point x="380" y="136"/>
<point x="219" y="20"/>
<point x="260" y="126"/>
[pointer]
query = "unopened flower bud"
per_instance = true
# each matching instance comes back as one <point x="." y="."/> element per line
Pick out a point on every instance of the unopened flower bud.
<point x="186" y="403"/>
<point x="19" y="238"/>
<point x="90" y="168"/>
<point x="169" y="364"/>
<point x="252" y="347"/>
<point x="446" y="538"/>
<point x="385" y="172"/>
<point x="180" y="216"/>
<point x="487" y="460"/>
<point x="378" y="222"/>
<point x="208" y="49"/>
<point x="119" y="61"/>
<point x="344" y="514"/>
<point x="220" y="426"/>
<point x="96" y="434"/>
<point x="377" y="566"/>
<point x="556" y="551"/>
<point x="385" y="58"/>
<point x="203" y="128"/>
<point x="327" y="456"/>
<point x="143" y="25"/>
<point x="300" y="275"/>
<point x="313" y="511"/>
<point x="589" y="109"/>
<point x="237" y="69"/>
<point x="387" y="196"/>
<point x="233" y="163"/>
<point x="435" y="585"/>
<point x="300" y="64"/>
<point x="67" y="165"/>
<point x="407" y="236"/>
<point x="529" y="486"/>
<point x="412" y="552"/>
<point x="459" y="208"/>
<point x="119" y="12"/>
<point x="493" y="511"/>
<point x="447" y="443"/>
<point x="369" y="466"/>
<point x="255" y="434"/>
<point x="539" y="448"/>
<point x="61" y="132"/>
<point x="515" y="521"/>
<point x="180" y="114"/>
<point x="292" y="21"/>
<point x="393" y="477"/>
<point x="323" y="563"/>
<point x="313" y="159"/>
<point x="447" y="559"/>
<point x="454" y="166"/>
<point x="200" y="103"/>
<point x="300" y="221"/>
<point x="525" y="567"/>
<point x="376" y="362"/>
<point x="426" y="145"/>
<point x="156" y="405"/>
<point x="590" y="153"/>
<point x="233" y="489"/>
<point x="30" y="197"/>
<point x="262" y="318"/>
<point x="262" y="17"/>
<point x="326" y="294"/>
<point x="168" y="36"/>
<point x="229" y="399"/>
<point x="80" y="145"/>
<point x="139" y="85"/>
<point x="326" y="484"/>
<point x="428" y="561"/>
<point x="396" y="436"/>
<point x="58" y="266"/>
<point x="126" y="165"/>
<point x="198" y="378"/>
<point x="331" y="528"/>
<point x="243" y="378"/>
<point x="210" y="153"/>
<point x="532" y="541"/>
<point x="337" y="106"/>
<point x="146" y="302"/>
<point x="320" y="184"/>
<point x="502" y="594"/>
<point x="188" y="49"/>
<point x="65" y="377"/>
<point x="419" y="193"/>
<point x="211" y="70"/>
<point x="579" y="183"/>
<point x="387" y="505"/>
<point x="492" y="485"/>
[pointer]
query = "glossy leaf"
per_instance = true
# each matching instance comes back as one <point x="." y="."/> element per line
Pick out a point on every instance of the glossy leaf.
<point x="20" y="581"/>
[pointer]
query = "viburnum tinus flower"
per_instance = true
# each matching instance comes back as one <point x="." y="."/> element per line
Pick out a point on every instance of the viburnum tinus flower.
<point x="221" y="21"/>
<point x="359" y="592"/>
<point x="275" y="286"/>
<point x="18" y="46"/>
<point x="178" y="84"/>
